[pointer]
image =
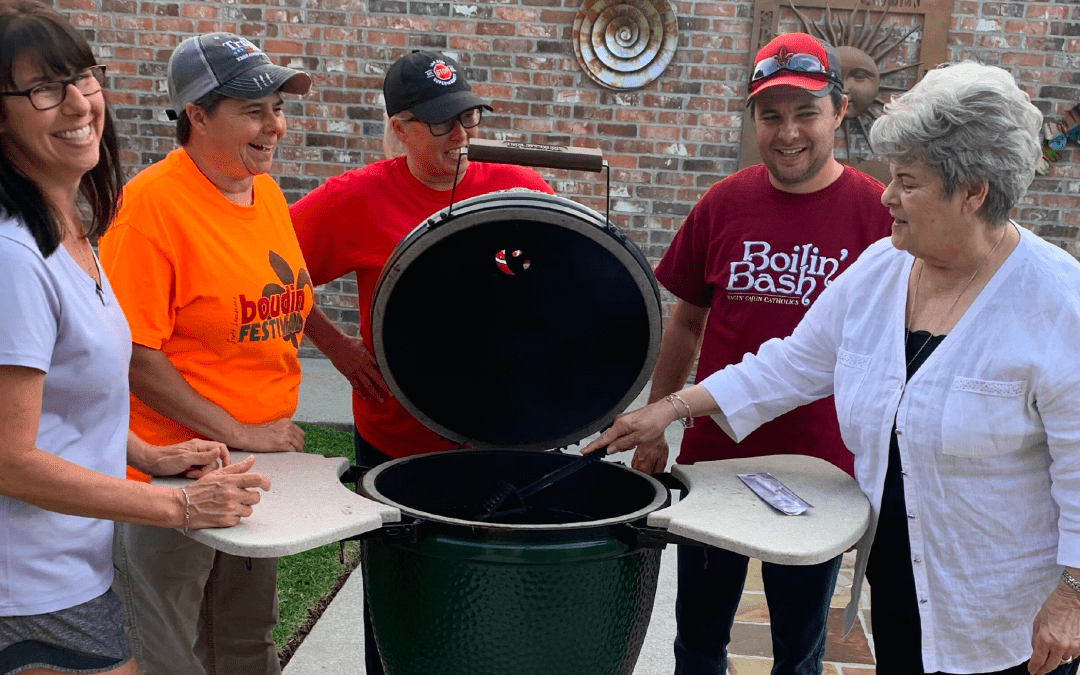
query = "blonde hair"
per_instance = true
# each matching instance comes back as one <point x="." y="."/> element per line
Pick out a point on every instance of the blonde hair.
<point x="391" y="144"/>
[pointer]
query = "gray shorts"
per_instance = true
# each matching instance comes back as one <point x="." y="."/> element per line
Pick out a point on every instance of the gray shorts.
<point x="86" y="638"/>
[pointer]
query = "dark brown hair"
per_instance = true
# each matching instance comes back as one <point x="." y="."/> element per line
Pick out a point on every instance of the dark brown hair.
<point x="29" y="27"/>
<point x="208" y="102"/>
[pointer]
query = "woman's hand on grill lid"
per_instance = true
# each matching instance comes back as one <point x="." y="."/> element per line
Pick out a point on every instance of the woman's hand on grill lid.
<point x="651" y="456"/>
<point x="630" y="429"/>
<point x="358" y="365"/>
<point x="647" y="424"/>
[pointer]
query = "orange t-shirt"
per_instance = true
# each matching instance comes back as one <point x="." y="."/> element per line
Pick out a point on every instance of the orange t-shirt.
<point x="221" y="289"/>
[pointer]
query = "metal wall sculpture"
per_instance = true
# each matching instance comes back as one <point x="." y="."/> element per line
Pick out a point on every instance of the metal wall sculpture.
<point x="885" y="46"/>
<point x="625" y="44"/>
<point x="863" y="50"/>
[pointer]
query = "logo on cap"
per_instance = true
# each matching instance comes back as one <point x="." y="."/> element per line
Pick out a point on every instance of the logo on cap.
<point x="242" y="49"/>
<point x="442" y="73"/>
<point x="783" y="56"/>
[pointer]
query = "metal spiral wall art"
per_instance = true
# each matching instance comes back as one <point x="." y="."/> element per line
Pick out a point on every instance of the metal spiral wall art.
<point x="625" y="44"/>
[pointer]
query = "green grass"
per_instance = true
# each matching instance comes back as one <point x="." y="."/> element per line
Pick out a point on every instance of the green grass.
<point x="305" y="579"/>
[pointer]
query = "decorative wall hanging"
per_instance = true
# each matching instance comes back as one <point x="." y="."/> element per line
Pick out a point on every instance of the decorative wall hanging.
<point x="863" y="48"/>
<point x="1067" y="130"/>
<point x="1056" y="135"/>
<point x="625" y="44"/>
<point x="885" y="46"/>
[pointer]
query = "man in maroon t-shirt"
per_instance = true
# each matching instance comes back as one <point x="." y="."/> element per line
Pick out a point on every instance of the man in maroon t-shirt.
<point x="751" y="258"/>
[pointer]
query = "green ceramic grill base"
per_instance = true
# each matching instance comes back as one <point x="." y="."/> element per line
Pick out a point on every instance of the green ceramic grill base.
<point x="448" y="606"/>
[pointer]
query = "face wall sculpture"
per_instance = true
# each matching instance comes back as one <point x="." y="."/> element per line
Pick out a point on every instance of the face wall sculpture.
<point x="861" y="79"/>
<point x="864" y="44"/>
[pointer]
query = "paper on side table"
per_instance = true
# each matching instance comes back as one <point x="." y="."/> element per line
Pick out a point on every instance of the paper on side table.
<point x="722" y="511"/>
<point x="307" y="506"/>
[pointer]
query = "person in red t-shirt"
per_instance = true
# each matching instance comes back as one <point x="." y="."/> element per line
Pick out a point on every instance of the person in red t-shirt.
<point x="352" y="223"/>
<point x="751" y="258"/>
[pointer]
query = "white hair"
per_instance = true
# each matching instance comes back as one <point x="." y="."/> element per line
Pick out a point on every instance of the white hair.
<point x="970" y="123"/>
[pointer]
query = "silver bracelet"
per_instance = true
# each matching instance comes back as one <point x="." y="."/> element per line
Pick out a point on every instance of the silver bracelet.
<point x="187" y="509"/>
<point x="1070" y="580"/>
<point x="688" y="421"/>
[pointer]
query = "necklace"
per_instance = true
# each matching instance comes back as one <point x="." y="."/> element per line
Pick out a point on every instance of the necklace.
<point x="86" y="261"/>
<point x="86" y="252"/>
<point x="915" y="296"/>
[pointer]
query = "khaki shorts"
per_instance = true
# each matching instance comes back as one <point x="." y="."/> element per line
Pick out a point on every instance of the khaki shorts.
<point x="190" y="609"/>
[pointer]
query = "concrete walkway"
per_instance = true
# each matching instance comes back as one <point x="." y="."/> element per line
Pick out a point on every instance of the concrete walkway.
<point x="336" y="643"/>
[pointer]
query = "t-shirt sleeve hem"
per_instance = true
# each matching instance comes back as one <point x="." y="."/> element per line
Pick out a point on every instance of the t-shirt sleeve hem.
<point x="686" y="297"/>
<point x="138" y="267"/>
<point x="1069" y="551"/>
<point x="24" y="361"/>
<point x="148" y="341"/>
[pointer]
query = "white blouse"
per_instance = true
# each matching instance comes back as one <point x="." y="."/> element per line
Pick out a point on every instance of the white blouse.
<point x="988" y="431"/>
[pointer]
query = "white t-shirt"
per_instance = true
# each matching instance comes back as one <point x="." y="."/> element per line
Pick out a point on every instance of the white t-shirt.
<point x="55" y="320"/>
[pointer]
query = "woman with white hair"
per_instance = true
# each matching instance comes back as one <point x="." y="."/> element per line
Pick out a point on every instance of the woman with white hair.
<point x="951" y="351"/>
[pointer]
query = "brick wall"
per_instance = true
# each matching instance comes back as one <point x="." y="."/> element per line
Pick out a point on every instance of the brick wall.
<point x="665" y="143"/>
<point x="1039" y="43"/>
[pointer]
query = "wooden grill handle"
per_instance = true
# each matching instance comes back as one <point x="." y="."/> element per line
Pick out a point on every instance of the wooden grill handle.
<point x="534" y="154"/>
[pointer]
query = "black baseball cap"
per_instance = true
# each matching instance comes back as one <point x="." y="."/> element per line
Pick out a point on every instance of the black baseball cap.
<point x="230" y="65"/>
<point x="431" y="86"/>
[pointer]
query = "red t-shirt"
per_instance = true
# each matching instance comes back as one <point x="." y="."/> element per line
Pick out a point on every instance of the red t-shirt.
<point x="758" y="257"/>
<point x="352" y="223"/>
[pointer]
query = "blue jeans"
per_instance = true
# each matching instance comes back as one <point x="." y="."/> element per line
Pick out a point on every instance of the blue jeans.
<point x="710" y="587"/>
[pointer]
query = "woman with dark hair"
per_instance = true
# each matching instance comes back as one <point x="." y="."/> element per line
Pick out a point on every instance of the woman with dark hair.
<point x="64" y="352"/>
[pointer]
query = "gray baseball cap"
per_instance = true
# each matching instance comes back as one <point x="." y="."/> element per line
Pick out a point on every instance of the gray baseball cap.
<point x="230" y="65"/>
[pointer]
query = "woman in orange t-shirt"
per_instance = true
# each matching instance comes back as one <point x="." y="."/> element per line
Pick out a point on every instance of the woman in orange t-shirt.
<point x="207" y="268"/>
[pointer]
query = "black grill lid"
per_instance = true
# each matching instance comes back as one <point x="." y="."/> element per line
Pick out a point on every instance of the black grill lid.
<point x="518" y="320"/>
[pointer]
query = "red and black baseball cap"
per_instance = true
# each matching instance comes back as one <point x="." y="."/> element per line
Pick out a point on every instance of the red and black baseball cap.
<point x="431" y="86"/>
<point x="796" y="60"/>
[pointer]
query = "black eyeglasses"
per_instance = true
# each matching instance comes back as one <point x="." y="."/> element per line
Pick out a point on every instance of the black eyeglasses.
<point x="51" y="94"/>
<point x="468" y="119"/>
<point x="796" y="63"/>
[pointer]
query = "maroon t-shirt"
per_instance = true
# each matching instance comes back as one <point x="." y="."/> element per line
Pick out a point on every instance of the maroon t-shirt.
<point x="758" y="257"/>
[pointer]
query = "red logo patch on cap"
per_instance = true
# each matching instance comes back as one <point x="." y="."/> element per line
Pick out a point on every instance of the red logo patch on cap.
<point x="442" y="73"/>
